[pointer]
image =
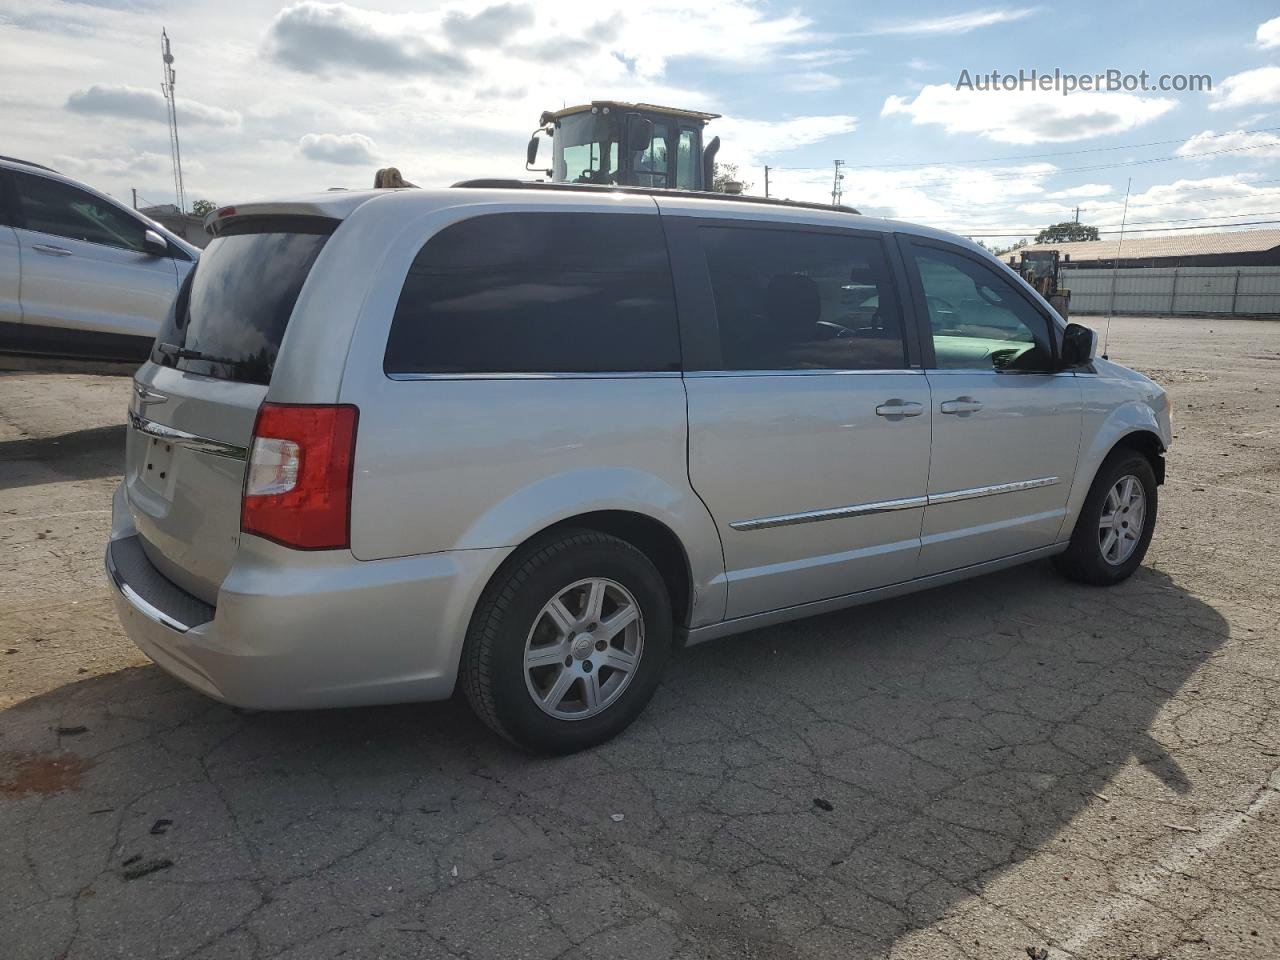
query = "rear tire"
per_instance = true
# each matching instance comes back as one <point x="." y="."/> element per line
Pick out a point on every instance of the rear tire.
<point x="568" y="642"/>
<point x="1105" y="548"/>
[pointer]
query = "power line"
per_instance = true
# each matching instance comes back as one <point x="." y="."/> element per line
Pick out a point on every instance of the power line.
<point x="1217" y="216"/>
<point x="1068" y="153"/>
<point x="1272" y="193"/>
<point x="1063" y="171"/>
<point x="1019" y="233"/>
<point x="1266" y="193"/>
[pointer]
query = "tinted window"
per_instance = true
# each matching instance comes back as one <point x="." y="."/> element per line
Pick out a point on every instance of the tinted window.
<point x="788" y="299"/>
<point x="8" y="216"/>
<point x="538" y="293"/>
<point x="231" y="314"/>
<point x="48" y="206"/>
<point x="979" y="318"/>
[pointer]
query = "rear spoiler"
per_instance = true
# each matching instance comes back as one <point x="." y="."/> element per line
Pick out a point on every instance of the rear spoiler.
<point x="291" y="214"/>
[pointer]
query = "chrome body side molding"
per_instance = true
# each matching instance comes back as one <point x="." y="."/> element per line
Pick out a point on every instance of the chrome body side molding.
<point x="972" y="493"/>
<point x="884" y="506"/>
<point x="812" y="516"/>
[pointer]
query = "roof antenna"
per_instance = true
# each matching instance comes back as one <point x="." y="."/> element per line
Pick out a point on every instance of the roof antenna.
<point x="1115" y="267"/>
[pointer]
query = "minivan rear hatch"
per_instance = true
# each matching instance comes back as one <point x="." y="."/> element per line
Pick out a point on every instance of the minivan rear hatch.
<point x="193" y="407"/>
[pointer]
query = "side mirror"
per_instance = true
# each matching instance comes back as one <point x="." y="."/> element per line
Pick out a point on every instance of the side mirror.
<point x="531" y="154"/>
<point x="155" y="244"/>
<point x="1079" y="345"/>
<point x="639" y="132"/>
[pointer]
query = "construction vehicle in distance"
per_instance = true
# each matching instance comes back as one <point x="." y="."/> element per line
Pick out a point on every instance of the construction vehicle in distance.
<point x="626" y="144"/>
<point x="1040" y="268"/>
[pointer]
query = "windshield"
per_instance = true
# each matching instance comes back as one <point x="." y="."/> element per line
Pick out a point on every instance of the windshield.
<point x="586" y="149"/>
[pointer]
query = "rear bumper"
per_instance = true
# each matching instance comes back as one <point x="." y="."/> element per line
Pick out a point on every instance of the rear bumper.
<point x="294" y="630"/>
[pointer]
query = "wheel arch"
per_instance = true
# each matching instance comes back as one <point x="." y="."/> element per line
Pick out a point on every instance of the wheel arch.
<point x="1145" y="442"/>
<point x="650" y="536"/>
<point x="1132" y="425"/>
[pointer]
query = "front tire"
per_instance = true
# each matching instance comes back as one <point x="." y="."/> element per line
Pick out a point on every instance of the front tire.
<point x="1114" y="528"/>
<point x="568" y="642"/>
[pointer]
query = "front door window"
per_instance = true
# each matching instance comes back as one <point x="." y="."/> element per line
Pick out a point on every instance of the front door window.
<point x="56" y="208"/>
<point x="979" y="320"/>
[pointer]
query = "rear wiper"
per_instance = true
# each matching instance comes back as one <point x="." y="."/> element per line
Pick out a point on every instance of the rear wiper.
<point x="174" y="352"/>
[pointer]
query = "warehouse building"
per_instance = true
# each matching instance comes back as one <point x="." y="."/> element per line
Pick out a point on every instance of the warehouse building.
<point x="1235" y="273"/>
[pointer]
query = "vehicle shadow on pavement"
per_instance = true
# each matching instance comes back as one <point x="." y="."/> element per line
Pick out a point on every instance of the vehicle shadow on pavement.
<point x="819" y="789"/>
<point x="79" y="455"/>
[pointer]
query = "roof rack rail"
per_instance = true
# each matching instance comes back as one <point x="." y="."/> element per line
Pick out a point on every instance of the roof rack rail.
<point x="28" y="163"/>
<point x="500" y="184"/>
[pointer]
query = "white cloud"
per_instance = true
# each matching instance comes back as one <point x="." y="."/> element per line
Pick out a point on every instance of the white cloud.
<point x="823" y="57"/>
<point x="117" y="166"/>
<point x="1041" y="209"/>
<point x="815" y="81"/>
<point x="1248" y="144"/>
<point x="747" y="141"/>
<point x="312" y="36"/>
<point x="315" y="37"/>
<point x="139" y="103"/>
<point x="489" y="27"/>
<point x="1083" y="192"/>
<point x="1252" y="86"/>
<point x="1027" y="116"/>
<point x="1269" y="33"/>
<point x="953" y="24"/>
<point x="341" y="148"/>
<point x="1233" y="197"/>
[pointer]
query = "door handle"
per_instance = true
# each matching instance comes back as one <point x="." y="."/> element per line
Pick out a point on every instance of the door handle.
<point x="896" y="409"/>
<point x="51" y="249"/>
<point x="961" y="405"/>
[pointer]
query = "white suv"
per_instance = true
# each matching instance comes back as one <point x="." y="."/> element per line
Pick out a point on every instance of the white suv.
<point x="535" y="438"/>
<point x="81" y="275"/>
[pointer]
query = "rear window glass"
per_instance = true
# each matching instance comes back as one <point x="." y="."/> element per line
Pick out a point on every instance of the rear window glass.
<point x="230" y="317"/>
<point x="538" y="293"/>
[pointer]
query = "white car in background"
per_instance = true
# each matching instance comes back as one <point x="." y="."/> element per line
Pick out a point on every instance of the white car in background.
<point x="81" y="275"/>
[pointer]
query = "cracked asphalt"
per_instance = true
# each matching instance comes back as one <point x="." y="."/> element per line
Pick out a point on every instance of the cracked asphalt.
<point x="1015" y="766"/>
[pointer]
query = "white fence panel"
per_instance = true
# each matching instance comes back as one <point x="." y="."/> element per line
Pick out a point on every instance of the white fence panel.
<point x="1174" y="291"/>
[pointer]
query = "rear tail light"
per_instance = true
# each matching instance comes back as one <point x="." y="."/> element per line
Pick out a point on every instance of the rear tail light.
<point x="297" y="488"/>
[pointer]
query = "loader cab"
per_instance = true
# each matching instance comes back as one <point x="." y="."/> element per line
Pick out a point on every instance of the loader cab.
<point x="627" y="144"/>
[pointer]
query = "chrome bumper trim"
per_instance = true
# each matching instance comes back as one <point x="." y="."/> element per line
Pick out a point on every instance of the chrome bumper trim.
<point x="191" y="441"/>
<point x="144" y="606"/>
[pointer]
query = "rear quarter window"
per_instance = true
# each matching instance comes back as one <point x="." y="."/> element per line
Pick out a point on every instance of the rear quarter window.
<point x="231" y="314"/>
<point x="538" y="293"/>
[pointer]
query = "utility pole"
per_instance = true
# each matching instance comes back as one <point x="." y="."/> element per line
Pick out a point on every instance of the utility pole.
<point x="837" y="185"/>
<point x="135" y="198"/>
<point x="175" y="151"/>
<point x="766" y="182"/>
<point x="1077" y="213"/>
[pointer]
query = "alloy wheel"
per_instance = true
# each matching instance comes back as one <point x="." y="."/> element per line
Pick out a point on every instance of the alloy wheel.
<point x="583" y="649"/>
<point x="1124" y="512"/>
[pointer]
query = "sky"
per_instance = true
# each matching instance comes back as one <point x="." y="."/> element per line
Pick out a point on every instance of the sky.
<point x="278" y="98"/>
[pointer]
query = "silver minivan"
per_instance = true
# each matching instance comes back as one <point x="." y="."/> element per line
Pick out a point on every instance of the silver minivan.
<point x="81" y="274"/>
<point x="532" y="438"/>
